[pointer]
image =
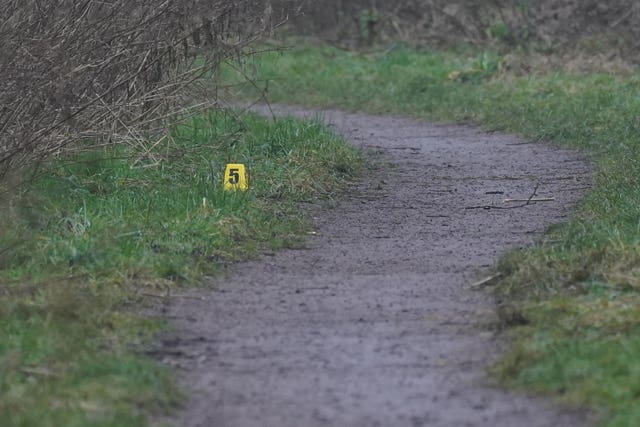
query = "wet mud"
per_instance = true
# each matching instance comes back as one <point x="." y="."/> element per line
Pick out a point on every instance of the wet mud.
<point x="373" y="323"/>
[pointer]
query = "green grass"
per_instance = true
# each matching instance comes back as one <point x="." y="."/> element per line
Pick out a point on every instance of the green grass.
<point x="100" y="235"/>
<point x="581" y="294"/>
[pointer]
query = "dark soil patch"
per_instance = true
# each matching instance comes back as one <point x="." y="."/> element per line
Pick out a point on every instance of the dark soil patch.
<point x="373" y="324"/>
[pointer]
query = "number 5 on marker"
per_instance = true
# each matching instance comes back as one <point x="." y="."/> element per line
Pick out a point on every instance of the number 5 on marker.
<point x="235" y="177"/>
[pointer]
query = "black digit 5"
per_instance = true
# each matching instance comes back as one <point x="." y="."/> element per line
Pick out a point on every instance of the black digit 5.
<point x="234" y="176"/>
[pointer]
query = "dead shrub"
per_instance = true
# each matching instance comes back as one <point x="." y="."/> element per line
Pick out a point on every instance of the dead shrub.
<point x="111" y="71"/>
<point x="558" y="24"/>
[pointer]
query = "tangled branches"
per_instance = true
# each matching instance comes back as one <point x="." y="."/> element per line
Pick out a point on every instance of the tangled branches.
<point x="552" y="23"/>
<point x="110" y="71"/>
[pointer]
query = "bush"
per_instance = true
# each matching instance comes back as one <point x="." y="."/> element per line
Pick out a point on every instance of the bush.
<point x="111" y="71"/>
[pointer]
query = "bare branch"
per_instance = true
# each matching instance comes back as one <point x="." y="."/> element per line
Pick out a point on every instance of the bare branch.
<point x="114" y="71"/>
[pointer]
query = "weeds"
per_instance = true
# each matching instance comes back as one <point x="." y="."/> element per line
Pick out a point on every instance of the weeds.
<point x="481" y="67"/>
<point x="578" y="295"/>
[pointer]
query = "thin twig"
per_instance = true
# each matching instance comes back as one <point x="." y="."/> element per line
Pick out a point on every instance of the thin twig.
<point x="538" y="199"/>
<point x="168" y="295"/>
<point x="485" y="282"/>
<point x="527" y="202"/>
<point x="41" y="372"/>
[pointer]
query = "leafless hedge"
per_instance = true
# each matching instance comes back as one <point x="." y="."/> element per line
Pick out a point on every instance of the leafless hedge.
<point x="112" y="70"/>
<point x="552" y="22"/>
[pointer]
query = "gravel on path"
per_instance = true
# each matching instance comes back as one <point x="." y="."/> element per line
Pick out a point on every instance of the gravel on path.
<point x="373" y="323"/>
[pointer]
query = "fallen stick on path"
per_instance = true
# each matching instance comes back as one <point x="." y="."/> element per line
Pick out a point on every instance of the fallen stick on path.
<point x="539" y="199"/>
<point x="523" y="202"/>
<point x="168" y="295"/>
<point x="485" y="282"/>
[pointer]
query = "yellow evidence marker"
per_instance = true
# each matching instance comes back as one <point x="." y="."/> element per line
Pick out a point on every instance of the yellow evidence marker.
<point x="235" y="177"/>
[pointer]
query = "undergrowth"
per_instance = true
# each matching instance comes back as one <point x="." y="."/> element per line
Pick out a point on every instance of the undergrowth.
<point x="98" y="236"/>
<point x="579" y="294"/>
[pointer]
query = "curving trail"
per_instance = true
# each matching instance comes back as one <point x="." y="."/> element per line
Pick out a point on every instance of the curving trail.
<point x="373" y="323"/>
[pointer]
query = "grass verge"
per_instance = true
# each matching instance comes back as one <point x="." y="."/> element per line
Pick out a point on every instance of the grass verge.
<point x="96" y="236"/>
<point x="579" y="295"/>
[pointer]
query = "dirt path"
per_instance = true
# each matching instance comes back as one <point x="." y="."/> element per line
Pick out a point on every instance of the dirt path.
<point x="372" y="324"/>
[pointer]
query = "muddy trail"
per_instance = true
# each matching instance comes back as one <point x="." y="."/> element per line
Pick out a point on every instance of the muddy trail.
<point x="373" y="322"/>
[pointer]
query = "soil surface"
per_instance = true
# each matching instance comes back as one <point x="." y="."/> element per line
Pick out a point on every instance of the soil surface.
<point x="373" y="322"/>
